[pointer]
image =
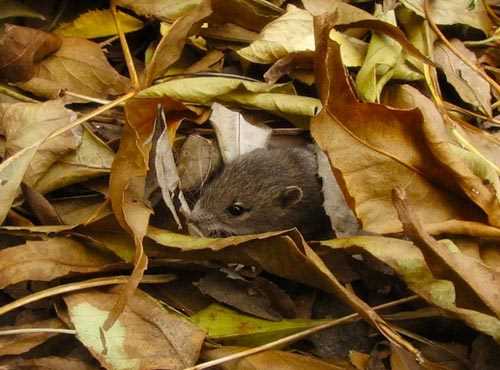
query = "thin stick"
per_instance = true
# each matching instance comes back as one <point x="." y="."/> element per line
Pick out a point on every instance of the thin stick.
<point x="126" y="51"/>
<point x="443" y="38"/>
<point x="84" y="97"/>
<point x="88" y="116"/>
<point x="37" y="331"/>
<point x="71" y="287"/>
<point x="296" y="336"/>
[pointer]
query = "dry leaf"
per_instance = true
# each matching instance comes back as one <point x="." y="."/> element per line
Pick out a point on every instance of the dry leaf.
<point x="79" y="66"/>
<point x="24" y="124"/>
<point x="271" y="360"/>
<point x="40" y="206"/>
<point x="146" y="336"/>
<point x="167" y="10"/>
<point x="98" y="23"/>
<point x="50" y="259"/>
<point x="471" y="87"/>
<point x="22" y="48"/>
<point x="478" y="287"/>
<point x="18" y="344"/>
<point x="354" y="136"/>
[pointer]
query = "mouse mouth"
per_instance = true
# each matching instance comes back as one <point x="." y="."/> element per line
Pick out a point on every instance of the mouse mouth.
<point x="220" y="233"/>
<point x="194" y="230"/>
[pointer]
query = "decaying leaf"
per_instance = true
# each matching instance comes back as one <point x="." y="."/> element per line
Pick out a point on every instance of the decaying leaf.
<point x="146" y="336"/>
<point x="471" y="87"/>
<point x="79" y="66"/>
<point x="22" y="48"/>
<point x="98" y="23"/>
<point x="235" y="135"/>
<point x="168" y="10"/>
<point x="272" y="360"/>
<point x="18" y="344"/>
<point x="50" y="259"/>
<point x="24" y="124"/>
<point x="15" y="8"/>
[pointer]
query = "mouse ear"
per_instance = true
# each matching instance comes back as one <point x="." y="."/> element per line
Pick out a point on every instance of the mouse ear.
<point x="291" y="196"/>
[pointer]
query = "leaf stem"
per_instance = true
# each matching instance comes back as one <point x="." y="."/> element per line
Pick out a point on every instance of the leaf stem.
<point x="294" y="337"/>
<point x="443" y="38"/>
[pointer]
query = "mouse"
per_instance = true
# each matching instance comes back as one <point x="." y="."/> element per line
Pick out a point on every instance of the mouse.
<point x="267" y="189"/>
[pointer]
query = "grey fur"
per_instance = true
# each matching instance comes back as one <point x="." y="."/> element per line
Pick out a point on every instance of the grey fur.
<point x="258" y="181"/>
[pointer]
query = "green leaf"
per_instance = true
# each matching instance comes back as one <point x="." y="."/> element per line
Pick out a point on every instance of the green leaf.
<point x="278" y="99"/>
<point x="98" y="23"/>
<point x="13" y="8"/>
<point x="384" y="61"/>
<point x="232" y="327"/>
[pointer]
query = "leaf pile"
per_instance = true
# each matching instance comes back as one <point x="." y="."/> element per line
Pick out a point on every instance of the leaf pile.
<point x="113" y="117"/>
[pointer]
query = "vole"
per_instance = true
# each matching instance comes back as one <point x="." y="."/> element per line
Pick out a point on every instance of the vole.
<point x="263" y="190"/>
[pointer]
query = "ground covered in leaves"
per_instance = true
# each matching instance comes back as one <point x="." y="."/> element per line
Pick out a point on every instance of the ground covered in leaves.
<point x="113" y="117"/>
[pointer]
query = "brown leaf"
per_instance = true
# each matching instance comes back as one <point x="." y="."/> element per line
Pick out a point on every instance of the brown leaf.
<point x="252" y="15"/>
<point x="477" y="286"/>
<point x="44" y="363"/>
<point x="272" y="360"/>
<point x="22" y="48"/>
<point x="24" y="124"/>
<point x="146" y="336"/>
<point x="50" y="259"/>
<point x="40" y="206"/>
<point x="453" y="161"/>
<point x="368" y="165"/>
<point x="79" y="66"/>
<point x="21" y="343"/>
<point x="470" y="86"/>
<point x="171" y="45"/>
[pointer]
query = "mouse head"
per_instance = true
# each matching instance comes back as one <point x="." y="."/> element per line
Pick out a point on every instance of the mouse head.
<point x="247" y="200"/>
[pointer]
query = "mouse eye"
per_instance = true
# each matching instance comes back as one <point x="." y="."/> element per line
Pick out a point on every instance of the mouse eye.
<point x="236" y="209"/>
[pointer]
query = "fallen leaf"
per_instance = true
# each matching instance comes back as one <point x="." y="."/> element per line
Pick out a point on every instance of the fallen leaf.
<point x="450" y="12"/>
<point x="277" y="99"/>
<point x="198" y="159"/>
<point x="171" y="45"/>
<point x="13" y="8"/>
<point x="249" y="14"/>
<point x="75" y="211"/>
<point x="146" y="336"/>
<point x="12" y="171"/>
<point x="409" y="264"/>
<point x="91" y="159"/>
<point x="470" y="86"/>
<point x="292" y="32"/>
<point x="18" y="344"/>
<point x="40" y="206"/>
<point x="272" y="360"/>
<point x="167" y="10"/>
<point x="25" y="124"/>
<point x="98" y="23"/>
<point x="231" y="327"/>
<point x="22" y="49"/>
<point x="49" y="259"/>
<point x="44" y="363"/>
<point x="361" y="153"/>
<point x="79" y="66"/>
<point x="235" y="135"/>
<point x="478" y="287"/>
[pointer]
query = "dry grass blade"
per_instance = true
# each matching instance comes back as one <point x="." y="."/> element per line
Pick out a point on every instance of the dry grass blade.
<point x="36" y="330"/>
<point x="295" y="337"/>
<point x="71" y="287"/>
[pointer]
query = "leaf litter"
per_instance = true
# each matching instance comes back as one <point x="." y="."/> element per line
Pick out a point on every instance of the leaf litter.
<point x="115" y="117"/>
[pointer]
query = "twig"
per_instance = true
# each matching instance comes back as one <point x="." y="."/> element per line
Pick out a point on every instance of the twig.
<point x="126" y="51"/>
<point x="459" y="55"/>
<point x="84" y="97"/>
<point x="37" y="331"/>
<point x="296" y="336"/>
<point x="71" y="287"/>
